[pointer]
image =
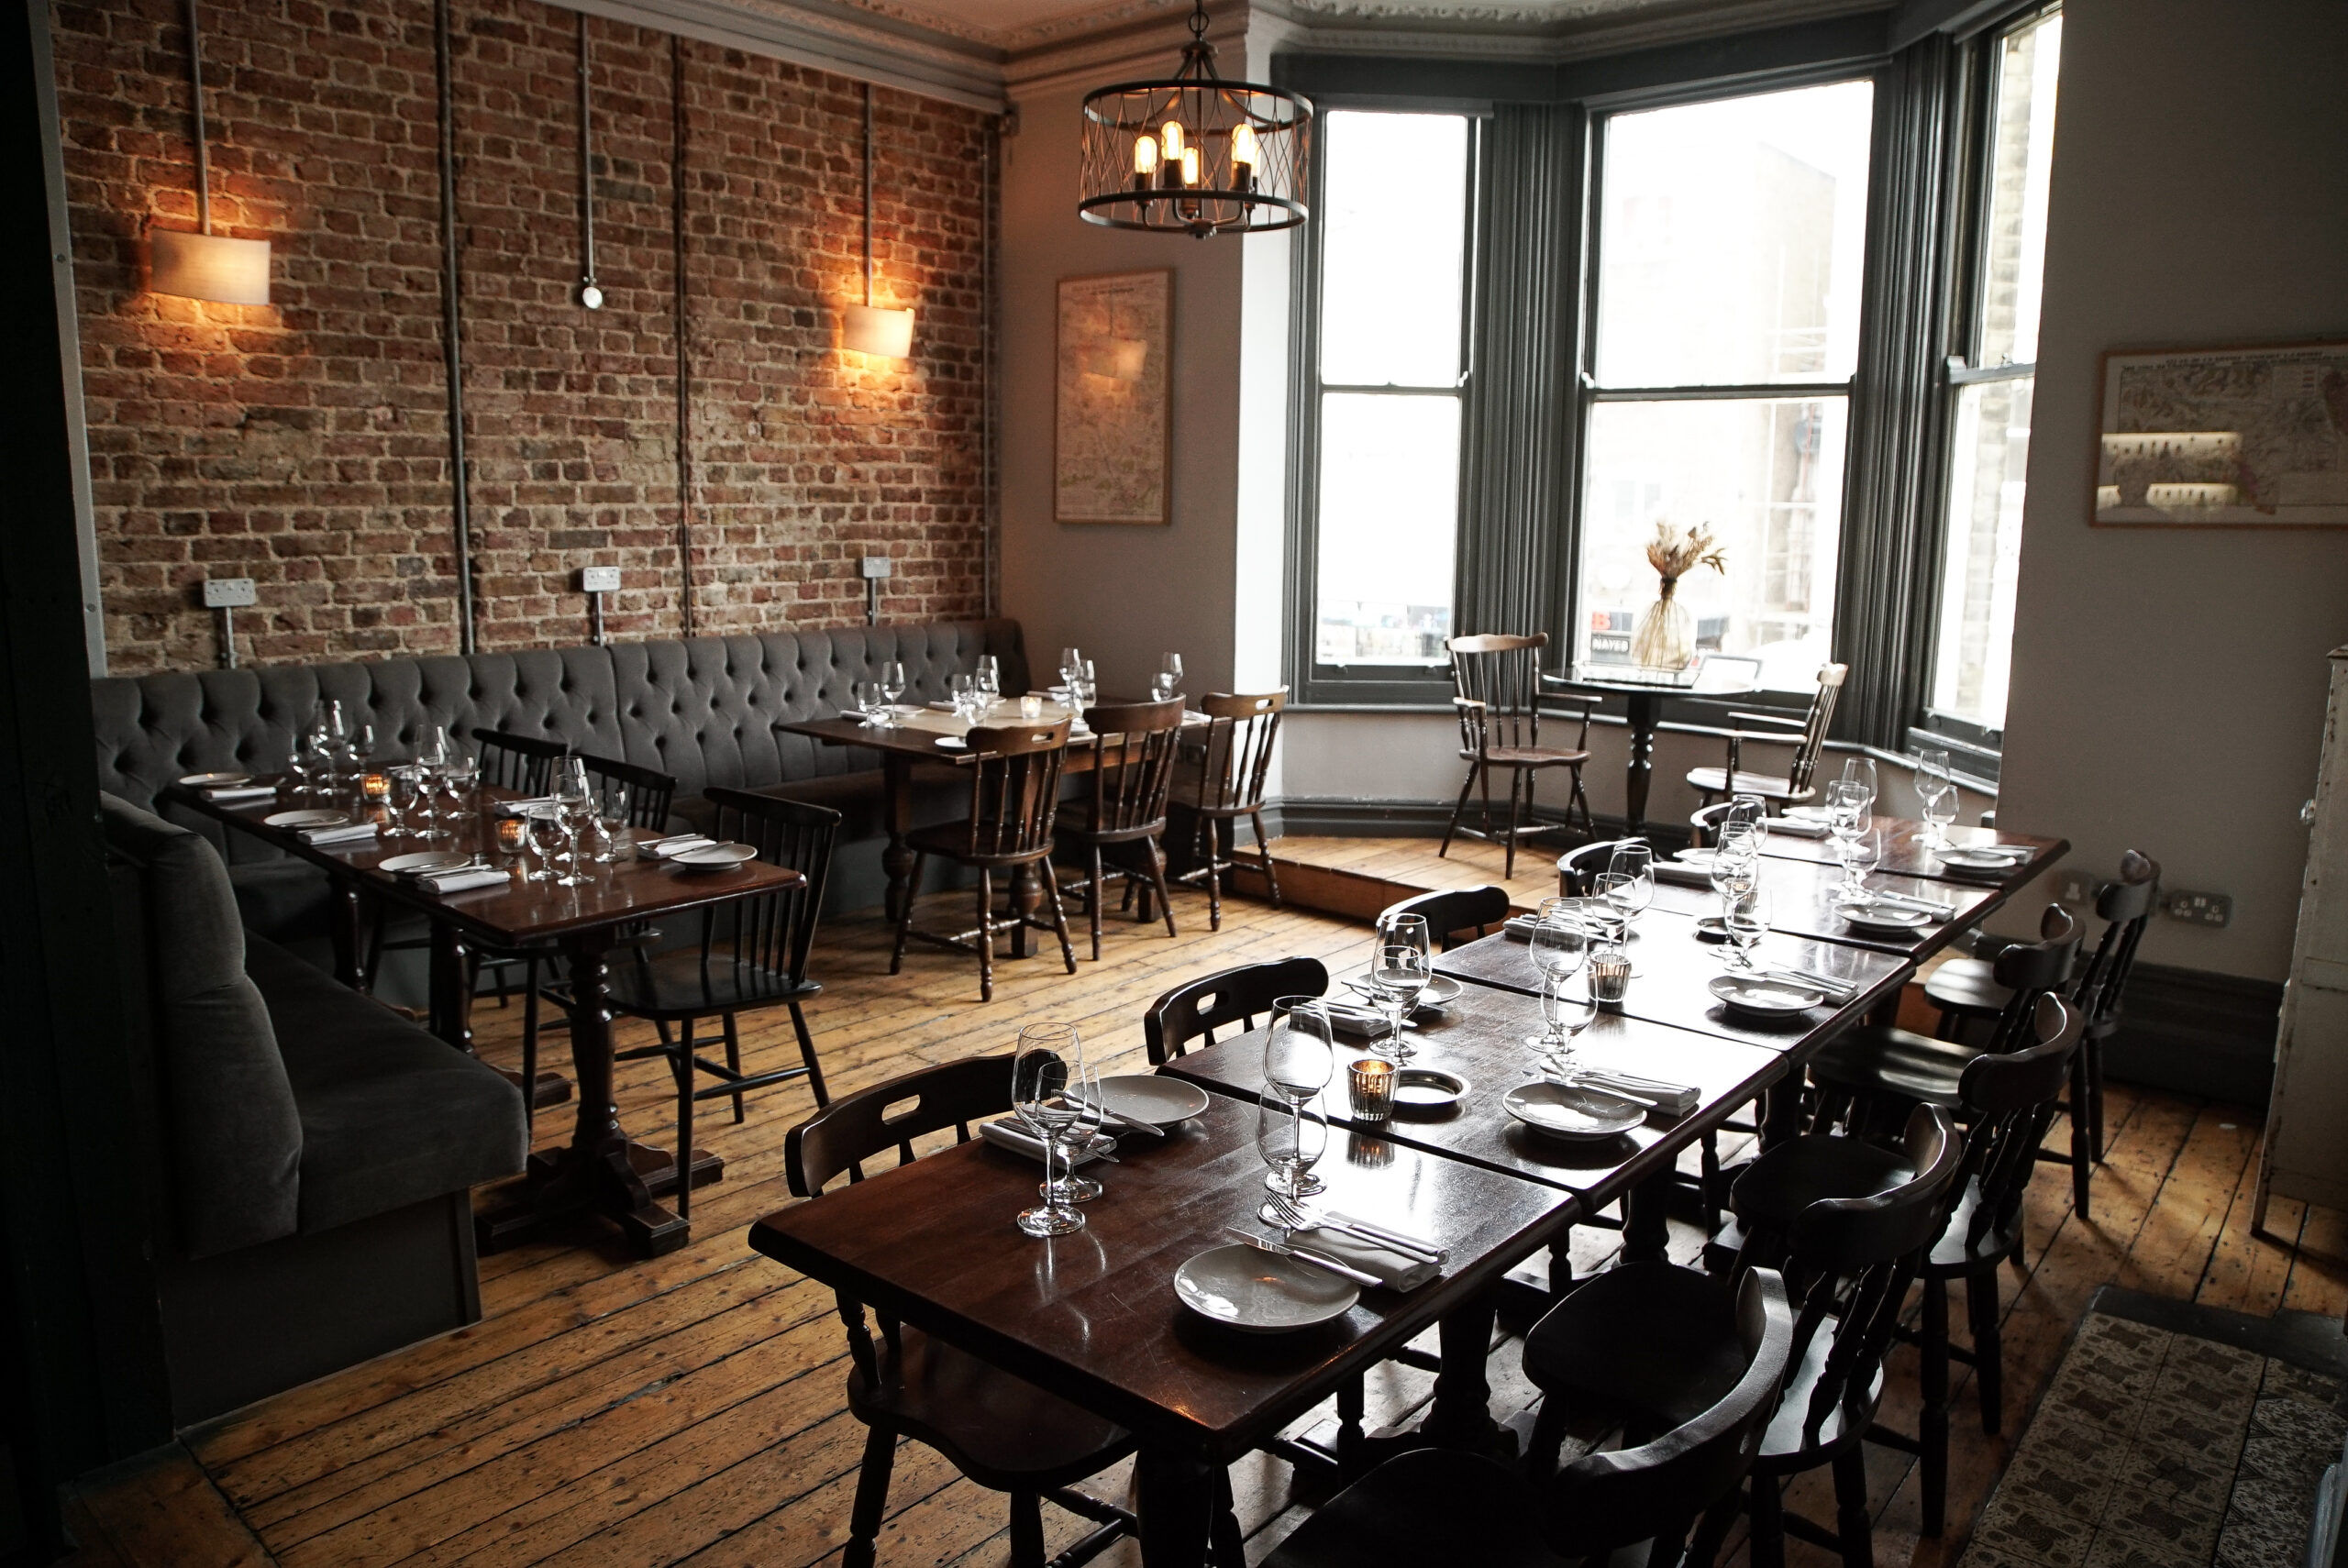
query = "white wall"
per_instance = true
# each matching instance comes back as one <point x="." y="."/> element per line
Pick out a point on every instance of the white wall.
<point x="2168" y="686"/>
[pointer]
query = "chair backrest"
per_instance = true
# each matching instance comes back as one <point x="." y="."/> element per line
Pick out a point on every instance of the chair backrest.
<point x="856" y="1127"/>
<point x="650" y="792"/>
<point x="2125" y="906"/>
<point x="1135" y="772"/>
<point x="2012" y="1099"/>
<point x="1495" y="689"/>
<point x="1851" y="1261"/>
<point x="1237" y="754"/>
<point x="774" y="931"/>
<point x="1455" y="909"/>
<point x="521" y="763"/>
<point x="2029" y="970"/>
<point x="1577" y="869"/>
<point x="1814" y="728"/>
<point x="1705" y="823"/>
<point x="1198" y="1009"/>
<point x="1656" y="1491"/>
<point x="1015" y="788"/>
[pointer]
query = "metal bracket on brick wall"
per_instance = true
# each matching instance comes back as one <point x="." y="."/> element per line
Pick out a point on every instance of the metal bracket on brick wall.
<point x="452" y="344"/>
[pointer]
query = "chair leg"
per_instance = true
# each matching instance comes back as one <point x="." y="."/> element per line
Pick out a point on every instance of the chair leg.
<point x="807" y="1055"/>
<point x="871" y="1499"/>
<point x="1516" y="777"/>
<point x="906" y="916"/>
<point x="529" y="1045"/>
<point x="1224" y="1541"/>
<point x="1092" y="900"/>
<point x="1264" y="853"/>
<point x="1059" y="923"/>
<point x="1931" y="1423"/>
<point x="1766" y="1546"/>
<point x="1214" y="875"/>
<point x="733" y="1060"/>
<point x="1158" y="879"/>
<point x="2091" y="1053"/>
<point x="1457" y="810"/>
<point x="1850" y="1521"/>
<point x="2082" y="1138"/>
<point x="1486" y="773"/>
<point x="1711" y="1532"/>
<point x="1026" y="1530"/>
<point x="1581" y="801"/>
<point x="986" y="934"/>
<point x="1989" y="1350"/>
<point x="1710" y="1193"/>
<point x="681" y="1063"/>
<point x="1549" y="1438"/>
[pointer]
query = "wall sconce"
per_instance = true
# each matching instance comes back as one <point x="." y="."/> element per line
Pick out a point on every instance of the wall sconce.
<point x="205" y="265"/>
<point x="869" y="328"/>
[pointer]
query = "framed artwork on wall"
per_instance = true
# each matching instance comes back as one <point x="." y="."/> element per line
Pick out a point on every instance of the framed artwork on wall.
<point x="1112" y="437"/>
<point x="2232" y="437"/>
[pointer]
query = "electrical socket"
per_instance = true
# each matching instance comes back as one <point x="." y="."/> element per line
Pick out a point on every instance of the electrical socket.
<point x="873" y="567"/>
<point x="2199" y="909"/>
<point x="228" y="592"/>
<point x="599" y="580"/>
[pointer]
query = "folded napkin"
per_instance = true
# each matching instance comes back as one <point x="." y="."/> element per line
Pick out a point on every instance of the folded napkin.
<point x="521" y="807"/>
<point x="1798" y="827"/>
<point x="1835" y="990"/>
<point x="1417" y="1243"/>
<point x="667" y="848"/>
<point x="1357" y="1023"/>
<point x="1519" y="927"/>
<point x="341" y="834"/>
<point x="464" y="879"/>
<point x="1683" y="874"/>
<point x="1803" y="813"/>
<point x="1013" y="1135"/>
<point x="1931" y="907"/>
<point x="1394" y="1270"/>
<point x="236" y="793"/>
<point x="1672" y="1100"/>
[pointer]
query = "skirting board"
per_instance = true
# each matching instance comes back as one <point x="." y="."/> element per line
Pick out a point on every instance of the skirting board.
<point x="1309" y="817"/>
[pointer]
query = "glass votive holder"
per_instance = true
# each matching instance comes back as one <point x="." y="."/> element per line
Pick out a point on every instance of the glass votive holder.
<point x="1370" y="1089"/>
<point x="1609" y="975"/>
<point x="1031" y="706"/>
<point x="374" y="789"/>
<point x="512" y="837"/>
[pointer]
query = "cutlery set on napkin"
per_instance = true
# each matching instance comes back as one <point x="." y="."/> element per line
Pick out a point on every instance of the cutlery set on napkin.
<point x="1012" y="1134"/>
<point x="1932" y="907"/>
<point x="676" y="844"/>
<point x="1358" y="1254"/>
<point x="241" y="794"/>
<point x="463" y="878"/>
<point x="521" y="807"/>
<point x="1833" y="990"/>
<point x="339" y="835"/>
<point x="1671" y="1100"/>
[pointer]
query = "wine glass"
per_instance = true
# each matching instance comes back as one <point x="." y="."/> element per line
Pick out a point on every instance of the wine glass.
<point x="1299" y="1058"/>
<point x="1860" y="770"/>
<point x="990" y="677"/>
<point x="574" y="802"/>
<point x="1082" y="1133"/>
<point x="1745" y="915"/>
<point x="1292" y="1138"/>
<point x="1752" y="812"/>
<point x="404" y="783"/>
<point x="892" y="682"/>
<point x="1072" y="664"/>
<point x="1634" y="863"/>
<point x="1045" y="1063"/>
<point x="1085" y="690"/>
<point x="1561" y="940"/>
<point x="970" y="702"/>
<point x="300" y="769"/>
<point x="1848" y="813"/>
<point x="872" y="701"/>
<point x="431" y="757"/>
<point x="457" y="777"/>
<point x="548" y="837"/>
<point x="1397" y="975"/>
<point x="610" y="818"/>
<point x="1935" y="793"/>
<point x="1170" y="679"/>
<point x="1860" y="854"/>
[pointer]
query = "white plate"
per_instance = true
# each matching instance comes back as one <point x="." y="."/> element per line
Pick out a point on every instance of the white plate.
<point x="1576" y="1113"/>
<point x="1146" y="1096"/>
<point x="1979" y="862"/>
<point x="305" y="818"/>
<point x="953" y="743"/>
<point x="1873" y="916"/>
<point x="424" y="860"/>
<point x="1422" y="1089"/>
<point x="715" y="857"/>
<point x="1258" y="1292"/>
<point x="1771" y="999"/>
<point x="216" y="780"/>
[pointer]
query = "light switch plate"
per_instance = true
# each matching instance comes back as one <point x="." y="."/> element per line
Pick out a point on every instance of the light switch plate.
<point x="873" y="567"/>
<point x="599" y="580"/>
<point x="228" y="592"/>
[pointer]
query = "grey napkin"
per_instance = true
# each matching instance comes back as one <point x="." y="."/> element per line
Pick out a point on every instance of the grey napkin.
<point x="1798" y="827"/>
<point x="1679" y="872"/>
<point x="1673" y="1099"/>
<point x="235" y="794"/>
<point x="1394" y="1270"/>
<point x="1931" y="907"/>
<point x="341" y="834"/>
<point x="664" y="849"/>
<point x="464" y="879"/>
<point x="1014" y="1135"/>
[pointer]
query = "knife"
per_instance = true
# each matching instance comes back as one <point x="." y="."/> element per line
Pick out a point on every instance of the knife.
<point x="1263" y="1245"/>
<point x="1134" y="1123"/>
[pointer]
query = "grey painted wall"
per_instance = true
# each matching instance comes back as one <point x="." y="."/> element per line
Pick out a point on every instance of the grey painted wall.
<point x="2168" y="686"/>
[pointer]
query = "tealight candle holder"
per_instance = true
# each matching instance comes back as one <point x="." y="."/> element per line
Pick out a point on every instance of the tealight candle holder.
<point x="1031" y="707"/>
<point x="1370" y="1089"/>
<point x="1609" y="976"/>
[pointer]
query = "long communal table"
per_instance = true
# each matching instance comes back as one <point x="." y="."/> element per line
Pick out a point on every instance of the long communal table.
<point x="1093" y="1317"/>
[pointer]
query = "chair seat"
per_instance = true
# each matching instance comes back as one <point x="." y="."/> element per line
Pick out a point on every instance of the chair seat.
<point x="1714" y="781"/>
<point x="1186" y="795"/>
<point x="1959" y="1251"/>
<point x="1787" y="1178"/>
<point x="1878" y="1060"/>
<point x="1429" y="1505"/>
<point x="1530" y="756"/>
<point x="683" y="984"/>
<point x="1001" y="1432"/>
<point x="952" y="841"/>
<point x="1966" y="985"/>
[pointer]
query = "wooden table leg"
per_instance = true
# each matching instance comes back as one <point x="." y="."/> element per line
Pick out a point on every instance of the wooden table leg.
<point x="1461" y="1415"/>
<point x="342" y="929"/>
<point x="1646" y="1230"/>
<point x="897" y="859"/>
<point x="452" y="990"/>
<point x="1177" y="1493"/>
<point x="1645" y="713"/>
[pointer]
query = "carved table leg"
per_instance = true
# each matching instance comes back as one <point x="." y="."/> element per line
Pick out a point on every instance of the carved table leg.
<point x="1645" y="713"/>
<point x="897" y="859"/>
<point x="1177" y="1493"/>
<point x="342" y="929"/>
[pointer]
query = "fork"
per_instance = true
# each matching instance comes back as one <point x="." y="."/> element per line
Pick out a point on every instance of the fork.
<point x="1300" y="1218"/>
<point x="1266" y="1245"/>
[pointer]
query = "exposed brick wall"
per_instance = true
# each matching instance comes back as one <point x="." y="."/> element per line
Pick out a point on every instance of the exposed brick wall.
<point x="305" y="444"/>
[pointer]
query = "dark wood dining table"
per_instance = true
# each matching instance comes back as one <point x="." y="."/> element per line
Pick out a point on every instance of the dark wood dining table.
<point x="1642" y="701"/>
<point x="1908" y="851"/>
<point x="602" y="1170"/>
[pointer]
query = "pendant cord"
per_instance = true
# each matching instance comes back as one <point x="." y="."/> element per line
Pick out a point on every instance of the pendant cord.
<point x="684" y="361"/>
<point x="586" y="156"/>
<point x="868" y="192"/>
<point x="452" y="330"/>
<point x="202" y="157"/>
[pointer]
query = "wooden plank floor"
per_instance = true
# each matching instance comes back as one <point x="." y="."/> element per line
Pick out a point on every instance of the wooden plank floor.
<point x="1412" y="863"/>
<point x="689" y="1409"/>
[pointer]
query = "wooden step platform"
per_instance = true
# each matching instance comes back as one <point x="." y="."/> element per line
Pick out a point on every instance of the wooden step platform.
<point x="1356" y="878"/>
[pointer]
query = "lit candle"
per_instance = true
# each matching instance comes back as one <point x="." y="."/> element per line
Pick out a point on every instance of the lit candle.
<point x="1245" y="157"/>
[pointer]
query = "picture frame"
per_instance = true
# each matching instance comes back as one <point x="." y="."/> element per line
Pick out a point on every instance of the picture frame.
<point x="1112" y="423"/>
<point x="2240" y="435"/>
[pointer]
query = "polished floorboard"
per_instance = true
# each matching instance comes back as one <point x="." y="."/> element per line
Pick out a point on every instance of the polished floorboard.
<point x="688" y="1410"/>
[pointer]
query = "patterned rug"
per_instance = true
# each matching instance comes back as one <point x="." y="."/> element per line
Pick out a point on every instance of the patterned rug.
<point x="2172" y="1436"/>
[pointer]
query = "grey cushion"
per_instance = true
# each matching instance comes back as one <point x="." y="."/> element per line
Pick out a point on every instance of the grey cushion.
<point x="282" y="899"/>
<point x="390" y="1113"/>
<point x="233" y="1134"/>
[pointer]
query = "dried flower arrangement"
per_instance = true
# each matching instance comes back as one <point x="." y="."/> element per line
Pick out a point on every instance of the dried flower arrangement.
<point x="1666" y="636"/>
<point x="1675" y="553"/>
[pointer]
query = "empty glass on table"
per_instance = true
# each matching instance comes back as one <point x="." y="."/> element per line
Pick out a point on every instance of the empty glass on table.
<point x="872" y="701"/>
<point x="1299" y="1058"/>
<point x="1292" y="1138"/>
<point x="1083" y="1132"/>
<point x="574" y="800"/>
<point x="1168" y="680"/>
<point x="990" y="677"/>
<point x="1745" y="917"/>
<point x="1860" y="770"/>
<point x="1046" y="1071"/>
<point x="549" y="836"/>
<point x="1935" y="794"/>
<point x="1633" y="889"/>
<point x="1860" y="854"/>
<point x="1561" y="939"/>
<point x="892" y="682"/>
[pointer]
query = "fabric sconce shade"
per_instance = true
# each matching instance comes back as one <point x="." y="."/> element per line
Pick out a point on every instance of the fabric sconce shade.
<point x="885" y="334"/>
<point x="208" y="267"/>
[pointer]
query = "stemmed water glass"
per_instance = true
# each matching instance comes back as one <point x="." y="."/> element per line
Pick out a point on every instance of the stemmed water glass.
<point x="1402" y="965"/>
<point x="872" y="701"/>
<point x="892" y="682"/>
<point x="1046" y="1067"/>
<point x="459" y="774"/>
<point x="969" y="702"/>
<point x="1168" y="679"/>
<point x="1071" y="665"/>
<point x="1935" y="794"/>
<point x="1633" y="867"/>
<point x="1860" y="770"/>
<point x="1860" y="854"/>
<point x="1300" y="1057"/>
<point x="431" y="757"/>
<point x="990" y="679"/>
<point x="611" y="820"/>
<point x="1083" y="1132"/>
<point x="1561" y="940"/>
<point x="574" y="801"/>
<point x="1292" y="1138"/>
<point x="548" y="837"/>
<point x="1744" y="916"/>
<point x="405" y="783"/>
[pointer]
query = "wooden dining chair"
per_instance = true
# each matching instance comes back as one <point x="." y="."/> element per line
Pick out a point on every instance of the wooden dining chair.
<point x="1234" y="759"/>
<point x="1014" y="785"/>
<point x="1132" y="778"/>
<point x="1578" y="868"/>
<point x="1454" y="912"/>
<point x="1806" y="736"/>
<point x="1496" y="692"/>
<point x="753" y="955"/>
<point x="1626" y="1505"/>
<point x="1649" y="1341"/>
<point x="649" y="793"/>
<point x="1196" y="1008"/>
<point x="998" y="1429"/>
<point x="523" y="764"/>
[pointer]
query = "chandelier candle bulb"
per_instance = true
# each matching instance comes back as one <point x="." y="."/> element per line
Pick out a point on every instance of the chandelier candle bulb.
<point x="1173" y="138"/>
<point x="1145" y="161"/>
<point x="1245" y="156"/>
<point x="1190" y="167"/>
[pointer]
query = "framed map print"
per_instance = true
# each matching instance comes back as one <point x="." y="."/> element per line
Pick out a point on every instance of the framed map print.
<point x="2224" y="438"/>
<point x="1110" y="439"/>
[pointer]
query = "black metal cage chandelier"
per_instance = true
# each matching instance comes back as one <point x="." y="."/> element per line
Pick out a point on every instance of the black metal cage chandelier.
<point x="1196" y="154"/>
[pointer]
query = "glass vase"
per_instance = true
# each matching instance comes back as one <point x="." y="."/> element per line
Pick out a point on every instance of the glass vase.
<point x="1666" y="636"/>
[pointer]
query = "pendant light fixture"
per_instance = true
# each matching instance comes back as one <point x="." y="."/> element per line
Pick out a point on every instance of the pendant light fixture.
<point x="1196" y="154"/>
<point x="590" y="293"/>
<point x="867" y="328"/>
<point x="205" y="265"/>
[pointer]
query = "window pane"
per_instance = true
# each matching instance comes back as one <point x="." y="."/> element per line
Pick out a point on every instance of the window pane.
<point x="1390" y="269"/>
<point x="1390" y="511"/>
<point x="1765" y="477"/>
<point x="1976" y="618"/>
<point x="2014" y="258"/>
<point x="1731" y="239"/>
